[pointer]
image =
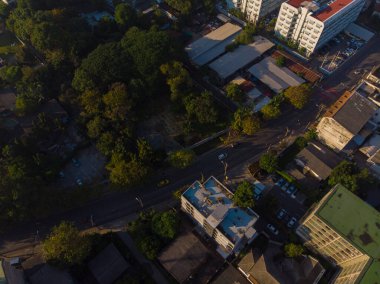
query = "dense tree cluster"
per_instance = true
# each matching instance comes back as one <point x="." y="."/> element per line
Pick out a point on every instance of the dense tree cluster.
<point x="65" y="246"/>
<point x="152" y="230"/>
<point x="298" y="96"/>
<point x="243" y="196"/>
<point x="244" y="121"/>
<point x="269" y="162"/>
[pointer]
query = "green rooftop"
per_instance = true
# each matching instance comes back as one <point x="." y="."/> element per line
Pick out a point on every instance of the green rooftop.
<point x="358" y="222"/>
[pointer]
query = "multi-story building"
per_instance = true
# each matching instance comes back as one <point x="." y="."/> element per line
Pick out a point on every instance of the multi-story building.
<point x="255" y="9"/>
<point x="345" y="230"/>
<point x="348" y="122"/>
<point x="210" y="205"/>
<point x="311" y="24"/>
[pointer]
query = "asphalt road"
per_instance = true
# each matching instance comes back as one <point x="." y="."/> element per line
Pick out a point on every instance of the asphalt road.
<point x="117" y="205"/>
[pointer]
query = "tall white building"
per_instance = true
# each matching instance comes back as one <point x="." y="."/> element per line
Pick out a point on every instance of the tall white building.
<point x="311" y="24"/>
<point x="210" y="205"/>
<point x="255" y="9"/>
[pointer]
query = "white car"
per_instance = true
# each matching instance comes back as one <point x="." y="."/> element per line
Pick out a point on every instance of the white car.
<point x="222" y="156"/>
<point x="272" y="228"/>
<point x="292" y="222"/>
<point x="79" y="181"/>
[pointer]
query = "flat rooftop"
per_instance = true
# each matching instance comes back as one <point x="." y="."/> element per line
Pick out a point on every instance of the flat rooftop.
<point x="205" y="44"/>
<point x="275" y="77"/>
<point x="214" y="201"/>
<point x="325" y="13"/>
<point x="358" y="222"/>
<point x="231" y="62"/>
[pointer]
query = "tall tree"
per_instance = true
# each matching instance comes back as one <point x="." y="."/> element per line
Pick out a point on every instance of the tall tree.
<point x="166" y="224"/>
<point x="243" y="196"/>
<point x="269" y="162"/>
<point x="298" y="96"/>
<point x="65" y="246"/>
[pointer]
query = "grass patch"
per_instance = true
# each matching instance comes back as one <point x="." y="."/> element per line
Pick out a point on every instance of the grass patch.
<point x="286" y="176"/>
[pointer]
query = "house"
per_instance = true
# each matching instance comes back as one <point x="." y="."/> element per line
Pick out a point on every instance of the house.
<point x="11" y="272"/>
<point x="348" y="122"/>
<point x="108" y="265"/>
<point x="345" y="230"/>
<point x="318" y="160"/>
<point x="275" y="77"/>
<point x="210" y="206"/>
<point x="271" y="267"/>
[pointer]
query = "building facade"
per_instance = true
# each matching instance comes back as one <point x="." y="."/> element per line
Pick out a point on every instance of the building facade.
<point x="209" y="204"/>
<point x="311" y="24"/>
<point x="344" y="242"/>
<point x="255" y="9"/>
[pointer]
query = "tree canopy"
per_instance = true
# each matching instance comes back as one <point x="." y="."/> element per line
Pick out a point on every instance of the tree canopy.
<point x="269" y="162"/>
<point x="245" y="121"/>
<point x="65" y="246"/>
<point x="298" y="96"/>
<point x="181" y="158"/>
<point x="243" y="196"/>
<point x="235" y="93"/>
<point x="293" y="250"/>
<point x="165" y="224"/>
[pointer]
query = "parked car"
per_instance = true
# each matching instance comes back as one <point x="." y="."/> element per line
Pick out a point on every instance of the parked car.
<point x="79" y="181"/>
<point x="281" y="214"/>
<point x="293" y="195"/>
<point x="285" y="186"/>
<point x="291" y="189"/>
<point x="272" y="228"/>
<point x="292" y="222"/>
<point x="222" y="156"/>
<point x="280" y="182"/>
<point x="61" y="174"/>
<point x="75" y="162"/>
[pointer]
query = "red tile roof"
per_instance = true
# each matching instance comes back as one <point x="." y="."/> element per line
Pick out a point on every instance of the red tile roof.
<point x="332" y="9"/>
<point x="297" y="3"/>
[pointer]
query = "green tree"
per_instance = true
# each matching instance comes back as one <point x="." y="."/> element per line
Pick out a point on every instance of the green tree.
<point x="178" y="79"/>
<point x="250" y="125"/>
<point x="118" y="103"/>
<point x="65" y="246"/>
<point x="166" y="224"/>
<point x="145" y="151"/>
<point x="293" y="250"/>
<point x="125" y="16"/>
<point x="235" y="93"/>
<point x="91" y="102"/>
<point x="150" y="246"/>
<point x="269" y="162"/>
<point x="10" y="74"/>
<point x="246" y="36"/>
<point x="243" y="196"/>
<point x="95" y="127"/>
<point x="181" y="158"/>
<point x="201" y="107"/>
<point x="127" y="172"/>
<point x="345" y="174"/>
<point x="184" y="6"/>
<point x="298" y="96"/>
<point x="271" y="111"/>
<point x="280" y="61"/>
<point x="244" y="121"/>
<point x="107" y="64"/>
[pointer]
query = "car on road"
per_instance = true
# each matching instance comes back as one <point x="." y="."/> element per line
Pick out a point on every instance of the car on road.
<point x="79" y="181"/>
<point x="273" y="229"/>
<point x="163" y="182"/>
<point x="292" y="222"/>
<point x="281" y="214"/>
<point x="75" y="162"/>
<point x="61" y="174"/>
<point x="222" y="156"/>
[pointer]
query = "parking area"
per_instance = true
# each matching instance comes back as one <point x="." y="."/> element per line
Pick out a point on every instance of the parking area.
<point x="85" y="167"/>
<point x="337" y="51"/>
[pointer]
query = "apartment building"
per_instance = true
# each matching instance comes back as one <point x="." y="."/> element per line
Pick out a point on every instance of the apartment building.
<point x="348" y="122"/>
<point x="210" y="205"/>
<point x="344" y="229"/>
<point x="311" y="24"/>
<point x="255" y="9"/>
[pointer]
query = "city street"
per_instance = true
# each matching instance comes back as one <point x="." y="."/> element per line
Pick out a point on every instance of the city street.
<point x="119" y="204"/>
